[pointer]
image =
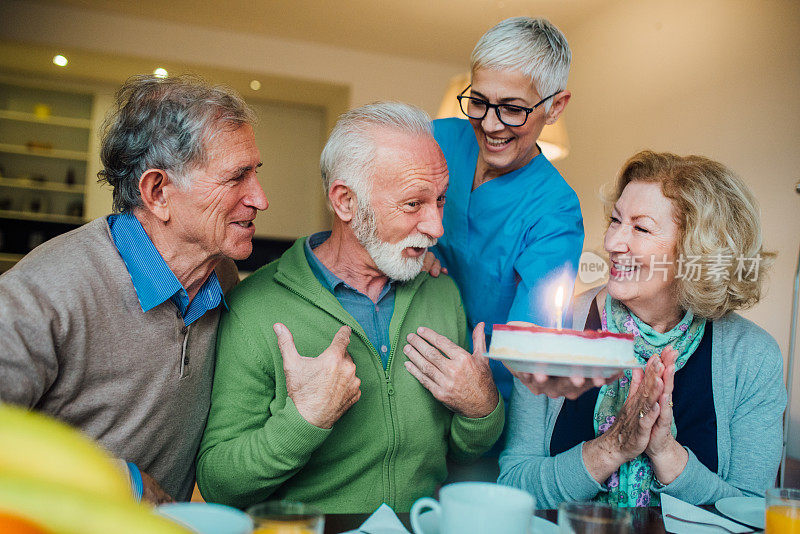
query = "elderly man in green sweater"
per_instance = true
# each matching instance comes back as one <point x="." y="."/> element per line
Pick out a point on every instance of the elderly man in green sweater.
<point x="371" y="416"/>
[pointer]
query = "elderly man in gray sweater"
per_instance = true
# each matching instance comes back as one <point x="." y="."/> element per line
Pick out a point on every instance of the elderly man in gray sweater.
<point x="111" y="327"/>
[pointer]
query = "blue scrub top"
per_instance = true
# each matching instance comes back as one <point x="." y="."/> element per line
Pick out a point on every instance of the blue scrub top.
<point x="508" y="242"/>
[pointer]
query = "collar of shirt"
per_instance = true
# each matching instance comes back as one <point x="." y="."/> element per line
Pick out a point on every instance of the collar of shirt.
<point x="329" y="280"/>
<point x="152" y="278"/>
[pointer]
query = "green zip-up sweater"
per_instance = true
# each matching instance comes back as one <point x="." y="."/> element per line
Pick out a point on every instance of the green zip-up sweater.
<point x="390" y="446"/>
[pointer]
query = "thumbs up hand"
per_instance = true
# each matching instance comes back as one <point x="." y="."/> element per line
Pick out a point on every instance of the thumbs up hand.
<point x="322" y="388"/>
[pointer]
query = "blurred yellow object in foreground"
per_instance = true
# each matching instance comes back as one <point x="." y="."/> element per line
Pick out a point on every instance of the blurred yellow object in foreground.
<point x="63" y="483"/>
<point x="285" y="528"/>
<point x="14" y="524"/>
<point x="66" y="510"/>
<point x="38" y="447"/>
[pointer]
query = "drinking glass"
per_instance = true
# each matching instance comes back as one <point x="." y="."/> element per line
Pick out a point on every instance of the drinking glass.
<point x="285" y="517"/>
<point x="783" y="511"/>
<point x="593" y="518"/>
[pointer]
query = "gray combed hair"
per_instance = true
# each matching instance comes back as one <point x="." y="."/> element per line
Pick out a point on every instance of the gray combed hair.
<point x="163" y="123"/>
<point x="349" y="153"/>
<point x="532" y="46"/>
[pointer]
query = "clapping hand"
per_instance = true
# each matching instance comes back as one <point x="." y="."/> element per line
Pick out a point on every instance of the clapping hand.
<point x="322" y="388"/>
<point x="461" y="381"/>
<point x="640" y="411"/>
<point x="629" y="436"/>
<point x="666" y="454"/>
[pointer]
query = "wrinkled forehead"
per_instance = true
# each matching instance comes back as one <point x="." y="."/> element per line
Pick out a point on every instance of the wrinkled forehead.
<point x="226" y="141"/>
<point x="646" y="198"/>
<point x="402" y="161"/>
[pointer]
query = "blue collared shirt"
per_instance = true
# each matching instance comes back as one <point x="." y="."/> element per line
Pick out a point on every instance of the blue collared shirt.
<point x="374" y="317"/>
<point x="152" y="279"/>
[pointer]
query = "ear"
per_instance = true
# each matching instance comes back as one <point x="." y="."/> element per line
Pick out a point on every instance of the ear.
<point x="343" y="200"/>
<point x="559" y="103"/>
<point x="153" y="188"/>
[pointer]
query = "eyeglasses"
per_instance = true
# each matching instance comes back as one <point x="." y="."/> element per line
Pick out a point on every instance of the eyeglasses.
<point x="508" y="114"/>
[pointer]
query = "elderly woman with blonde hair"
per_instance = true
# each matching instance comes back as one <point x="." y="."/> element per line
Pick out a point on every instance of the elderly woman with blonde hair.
<point x="703" y="420"/>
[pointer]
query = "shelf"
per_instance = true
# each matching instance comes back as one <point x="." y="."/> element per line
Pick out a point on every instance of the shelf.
<point x="69" y="122"/>
<point x="44" y="217"/>
<point x="73" y="155"/>
<point x="18" y="183"/>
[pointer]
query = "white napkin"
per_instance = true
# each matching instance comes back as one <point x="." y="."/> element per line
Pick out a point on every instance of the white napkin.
<point x="684" y="510"/>
<point x="382" y="521"/>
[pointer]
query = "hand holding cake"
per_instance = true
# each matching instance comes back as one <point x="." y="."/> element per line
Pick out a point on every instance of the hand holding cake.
<point x="570" y="387"/>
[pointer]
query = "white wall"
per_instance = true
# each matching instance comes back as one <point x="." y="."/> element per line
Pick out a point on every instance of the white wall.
<point x="370" y="76"/>
<point x="713" y="77"/>
<point x="290" y="140"/>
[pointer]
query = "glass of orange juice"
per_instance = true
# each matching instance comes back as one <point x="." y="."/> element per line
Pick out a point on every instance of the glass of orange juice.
<point x="783" y="511"/>
<point x="286" y="517"/>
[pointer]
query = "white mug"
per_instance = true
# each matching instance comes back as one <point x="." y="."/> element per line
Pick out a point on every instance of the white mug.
<point x="475" y="508"/>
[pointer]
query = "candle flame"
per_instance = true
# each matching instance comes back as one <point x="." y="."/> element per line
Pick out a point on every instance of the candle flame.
<point x="560" y="297"/>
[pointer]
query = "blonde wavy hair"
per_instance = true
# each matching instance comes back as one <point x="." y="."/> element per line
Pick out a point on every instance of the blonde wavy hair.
<point x="718" y="218"/>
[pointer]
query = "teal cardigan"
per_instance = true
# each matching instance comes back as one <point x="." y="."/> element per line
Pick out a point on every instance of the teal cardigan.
<point x="391" y="446"/>
<point x="749" y="399"/>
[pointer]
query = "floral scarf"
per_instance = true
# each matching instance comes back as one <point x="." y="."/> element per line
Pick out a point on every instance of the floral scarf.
<point x="630" y="485"/>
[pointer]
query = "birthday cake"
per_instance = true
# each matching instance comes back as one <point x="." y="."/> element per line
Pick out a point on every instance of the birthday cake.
<point x="589" y="347"/>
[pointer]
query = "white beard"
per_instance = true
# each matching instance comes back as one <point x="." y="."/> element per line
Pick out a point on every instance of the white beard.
<point x="388" y="257"/>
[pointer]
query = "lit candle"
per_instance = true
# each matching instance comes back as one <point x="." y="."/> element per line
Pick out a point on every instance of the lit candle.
<point x="559" y="305"/>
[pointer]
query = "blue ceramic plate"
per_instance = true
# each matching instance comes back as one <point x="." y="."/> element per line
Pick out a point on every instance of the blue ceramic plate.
<point x="747" y="510"/>
<point x="207" y="518"/>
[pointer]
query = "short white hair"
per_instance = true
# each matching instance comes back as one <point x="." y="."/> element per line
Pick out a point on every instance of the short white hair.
<point x="532" y="46"/>
<point x="349" y="153"/>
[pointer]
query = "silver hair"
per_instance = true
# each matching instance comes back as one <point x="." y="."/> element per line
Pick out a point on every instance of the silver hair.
<point x="532" y="46"/>
<point x="163" y="123"/>
<point x="349" y="153"/>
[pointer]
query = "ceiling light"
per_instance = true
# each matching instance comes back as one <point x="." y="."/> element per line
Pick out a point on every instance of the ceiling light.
<point x="60" y="60"/>
<point x="160" y="73"/>
<point x="255" y="85"/>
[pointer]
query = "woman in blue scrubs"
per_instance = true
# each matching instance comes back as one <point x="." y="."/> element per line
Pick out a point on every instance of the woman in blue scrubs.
<point x="513" y="226"/>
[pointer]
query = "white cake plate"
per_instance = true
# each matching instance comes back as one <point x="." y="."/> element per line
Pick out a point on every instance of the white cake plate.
<point x="557" y="368"/>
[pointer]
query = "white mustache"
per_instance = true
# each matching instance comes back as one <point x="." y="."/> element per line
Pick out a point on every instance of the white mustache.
<point x="416" y="241"/>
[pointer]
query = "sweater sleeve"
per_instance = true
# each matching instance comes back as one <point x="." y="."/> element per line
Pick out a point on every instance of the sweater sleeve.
<point x="471" y="437"/>
<point x="28" y="344"/>
<point x="251" y="444"/>
<point x="553" y="248"/>
<point x="756" y="433"/>
<point x="526" y="462"/>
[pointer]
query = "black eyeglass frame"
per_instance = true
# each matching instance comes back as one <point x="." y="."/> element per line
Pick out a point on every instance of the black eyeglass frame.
<point x="496" y="107"/>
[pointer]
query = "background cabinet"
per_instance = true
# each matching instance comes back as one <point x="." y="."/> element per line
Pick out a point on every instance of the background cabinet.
<point x="44" y="158"/>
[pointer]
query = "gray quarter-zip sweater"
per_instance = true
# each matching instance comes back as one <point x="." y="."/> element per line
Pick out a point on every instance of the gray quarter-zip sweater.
<point x="75" y="344"/>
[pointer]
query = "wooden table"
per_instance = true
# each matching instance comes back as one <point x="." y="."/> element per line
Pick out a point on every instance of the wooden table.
<point x="645" y="520"/>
